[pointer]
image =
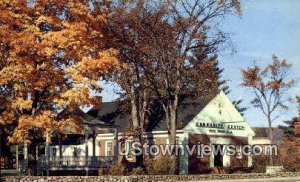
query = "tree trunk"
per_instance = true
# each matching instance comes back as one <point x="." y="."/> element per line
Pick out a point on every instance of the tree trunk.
<point x="172" y="123"/>
<point x="136" y="123"/>
<point x="173" y="119"/>
<point x="270" y="134"/>
<point x="134" y="109"/>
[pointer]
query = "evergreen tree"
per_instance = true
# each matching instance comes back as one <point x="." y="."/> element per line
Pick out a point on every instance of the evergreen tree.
<point x="222" y="84"/>
<point x="289" y="128"/>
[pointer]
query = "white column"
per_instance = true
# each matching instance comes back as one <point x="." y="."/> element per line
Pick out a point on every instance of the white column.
<point x="87" y="150"/>
<point x="86" y="145"/>
<point x="116" y="150"/>
<point x="60" y="148"/>
<point x="17" y="156"/>
<point x="250" y="162"/>
<point x="212" y="160"/>
<point x="184" y="159"/>
<point x="47" y="152"/>
<point x="25" y="151"/>
<point x="94" y="142"/>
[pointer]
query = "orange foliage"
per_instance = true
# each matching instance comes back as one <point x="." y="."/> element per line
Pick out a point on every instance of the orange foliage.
<point x="52" y="54"/>
<point x="297" y="121"/>
<point x="269" y="85"/>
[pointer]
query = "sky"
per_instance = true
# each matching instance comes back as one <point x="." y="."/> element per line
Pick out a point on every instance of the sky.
<point x="266" y="27"/>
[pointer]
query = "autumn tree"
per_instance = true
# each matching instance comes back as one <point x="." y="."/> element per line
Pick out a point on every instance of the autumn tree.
<point x="52" y="54"/>
<point x="156" y="41"/>
<point x="269" y="86"/>
<point x="123" y="28"/>
<point x="131" y="35"/>
<point x="297" y="120"/>
<point x="185" y="27"/>
<point x="291" y="128"/>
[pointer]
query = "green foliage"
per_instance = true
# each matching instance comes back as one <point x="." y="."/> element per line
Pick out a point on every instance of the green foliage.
<point x="289" y="128"/>
<point x="222" y="84"/>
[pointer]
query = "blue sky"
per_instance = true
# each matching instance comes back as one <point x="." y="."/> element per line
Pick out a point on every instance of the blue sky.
<point x="267" y="27"/>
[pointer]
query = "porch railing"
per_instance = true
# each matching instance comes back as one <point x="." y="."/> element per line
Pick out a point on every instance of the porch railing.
<point x="75" y="162"/>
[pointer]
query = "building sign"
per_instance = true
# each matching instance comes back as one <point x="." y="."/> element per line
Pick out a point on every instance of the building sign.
<point x="220" y="128"/>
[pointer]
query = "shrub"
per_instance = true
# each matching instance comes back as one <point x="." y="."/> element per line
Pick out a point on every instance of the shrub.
<point x="118" y="169"/>
<point x="161" y="165"/>
<point x="102" y="171"/>
<point x="291" y="159"/>
<point x="137" y="171"/>
<point x="260" y="163"/>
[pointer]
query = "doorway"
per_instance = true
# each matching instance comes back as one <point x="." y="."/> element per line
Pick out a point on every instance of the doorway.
<point x="218" y="155"/>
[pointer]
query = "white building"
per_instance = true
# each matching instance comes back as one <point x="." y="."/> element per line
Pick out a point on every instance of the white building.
<point x="213" y="122"/>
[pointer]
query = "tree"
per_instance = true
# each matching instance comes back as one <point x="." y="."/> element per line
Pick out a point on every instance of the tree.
<point x="185" y="26"/>
<point x="128" y="30"/>
<point x="292" y="130"/>
<point x="221" y="83"/>
<point x="53" y="53"/>
<point x="297" y="120"/>
<point x="269" y="86"/>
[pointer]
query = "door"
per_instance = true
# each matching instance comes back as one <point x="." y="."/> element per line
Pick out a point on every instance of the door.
<point x="218" y="155"/>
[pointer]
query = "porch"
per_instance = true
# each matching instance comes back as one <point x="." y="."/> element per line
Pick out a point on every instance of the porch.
<point x="75" y="163"/>
<point x="82" y="156"/>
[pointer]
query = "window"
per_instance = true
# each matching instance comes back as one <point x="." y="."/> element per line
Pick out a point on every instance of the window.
<point x="109" y="148"/>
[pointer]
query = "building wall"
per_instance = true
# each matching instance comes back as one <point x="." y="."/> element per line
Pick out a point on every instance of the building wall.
<point x="159" y="139"/>
<point x="204" y="164"/>
<point x="219" y="122"/>
<point x="261" y="141"/>
<point x="68" y="150"/>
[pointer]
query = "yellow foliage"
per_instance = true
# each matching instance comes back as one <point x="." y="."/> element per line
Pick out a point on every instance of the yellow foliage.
<point x="50" y="59"/>
<point x="6" y="117"/>
<point x="21" y="104"/>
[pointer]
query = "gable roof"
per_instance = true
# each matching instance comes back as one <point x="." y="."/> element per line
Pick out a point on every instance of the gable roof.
<point x="112" y="113"/>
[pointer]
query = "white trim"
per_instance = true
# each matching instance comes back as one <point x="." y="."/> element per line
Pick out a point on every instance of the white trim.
<point x="239" y="152"/>
<point x="161" y="134"/>
<point x="226" y="158"/>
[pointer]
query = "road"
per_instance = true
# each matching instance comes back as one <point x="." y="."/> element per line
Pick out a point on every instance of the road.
<point x="279" y="179"/>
